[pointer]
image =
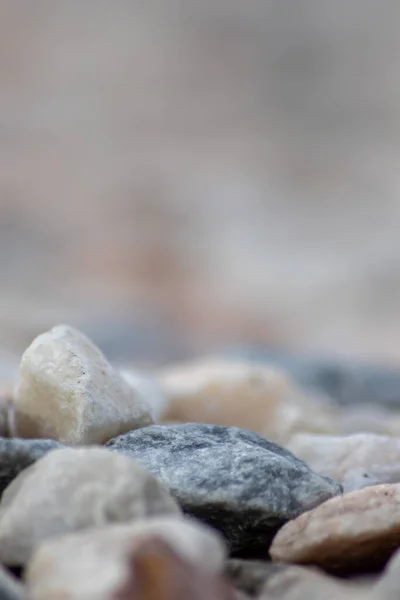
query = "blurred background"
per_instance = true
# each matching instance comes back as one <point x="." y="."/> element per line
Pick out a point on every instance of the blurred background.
<point x="182" y="175"/>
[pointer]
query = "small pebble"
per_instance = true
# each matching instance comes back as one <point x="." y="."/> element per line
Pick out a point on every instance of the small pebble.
<point x="74" y="489"/>
<point x="95" y="563"/>
<point x="69" y="392"/>
<point x="356" y="461"/>
<point x="231" y="478"/>
<point x="261" y="399"/>
<point x="350" y="534"/>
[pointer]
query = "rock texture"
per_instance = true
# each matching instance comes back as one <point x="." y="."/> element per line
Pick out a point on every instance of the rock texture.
<point x="18" y="454"/>
<point x="356" y="461"/>
<point x="261" y="399"/>
<point x="74" y="489"/>
<point x="357" y="532"/>
<point x="96" y="563"/>
<point x="233" y="479"/>
<point x="68" y="391"/>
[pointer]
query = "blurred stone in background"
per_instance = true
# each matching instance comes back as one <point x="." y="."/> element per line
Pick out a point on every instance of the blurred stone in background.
<point x="180" y="175"/>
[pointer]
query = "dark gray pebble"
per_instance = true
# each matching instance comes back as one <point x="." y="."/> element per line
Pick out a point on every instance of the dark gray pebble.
<point x="17" y="454"/>
<point x="233" y="479"/>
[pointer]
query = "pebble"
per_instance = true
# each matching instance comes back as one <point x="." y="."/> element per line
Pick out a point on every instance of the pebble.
<point x="301" y="583"/>
<point x="18" y="454"/>
<point x="159" y="573"/>
<point x="68" y="391"/>
<point x="237" y="481"/>
<point x="353" y="533"/>
<point x="73" y="489"/>
<point x="95" y="563"/>
<point x="261" y="399"/>
<point x="356" y="461"/>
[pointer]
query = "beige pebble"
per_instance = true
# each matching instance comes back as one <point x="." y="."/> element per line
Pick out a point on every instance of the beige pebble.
<point x="94" y="564"/>
<point x="68" y="391"/>
<point x="73" y="489"/>
<point x="257" y="398"/>
<point x="356" y="461"/>
<point x="353" y="533"/>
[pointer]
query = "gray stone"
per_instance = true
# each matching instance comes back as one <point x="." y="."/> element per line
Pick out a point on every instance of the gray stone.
<point x="17" y="454"/>
<point x="233" y="479"/>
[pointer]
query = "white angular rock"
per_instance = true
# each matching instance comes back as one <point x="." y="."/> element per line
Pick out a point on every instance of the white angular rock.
<point x="356" y="461"/>
<point x="262" y="399"/>
<point x="68" y="391"/>
<point x="95" y="564"/>
<point x="74" y="489"/>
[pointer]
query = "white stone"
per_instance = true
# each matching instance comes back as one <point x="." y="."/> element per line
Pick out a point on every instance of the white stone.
<point x="73" y="489"/>
<point x="94" y="565"/>
<point x="68" y="391"/>
<point x="356" y="461"/>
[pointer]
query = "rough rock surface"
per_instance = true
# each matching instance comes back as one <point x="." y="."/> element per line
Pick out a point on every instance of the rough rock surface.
<point x="353" y="533"/>
<point x="261" y="399"/>
<point x="73" y="489"/>
<point x="96" y="562"/>
<point x="231" y="478"/>
<point x="356" y="461"/>
<point x="68" y="391"/>
<point x="18" y="454"/>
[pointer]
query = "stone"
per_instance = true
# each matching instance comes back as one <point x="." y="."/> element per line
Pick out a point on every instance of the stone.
<point x="346" y="381"/>
<point x="18" y="454"/>
<point x="353" y="533"/>
<point x="233" y="479"/>
<point x="96" y="563"/>
<point x="74" y="489"/>
<point x="301" y="583"/>
<point x="159" y="573"/>
<point x="68" y="391"/>
<point x="387" y="587"/>
<point x="356" y="461"/>
<point x="250" y="576"/>
<point x="10" y="587"/>
<point x="258" y="398"/>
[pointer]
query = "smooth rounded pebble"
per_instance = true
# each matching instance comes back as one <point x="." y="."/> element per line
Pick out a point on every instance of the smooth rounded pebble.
<point x="258" y="398"/>
<point x="68" y="391"/>
<point x="18" y="454"/>
<point x="357" y="461"/>
<point x="354" y="533"/>
<point x="231" y="478"/>
<point x="96" y="563"/>
<point x="73" y="489"/>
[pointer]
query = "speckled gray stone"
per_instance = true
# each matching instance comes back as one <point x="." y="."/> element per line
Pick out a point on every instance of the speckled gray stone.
<point x="231" y="478"/>
<point x="16" y="454"/>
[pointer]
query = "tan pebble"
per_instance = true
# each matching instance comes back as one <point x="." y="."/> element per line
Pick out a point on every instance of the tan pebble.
<point x="353" y="533"/>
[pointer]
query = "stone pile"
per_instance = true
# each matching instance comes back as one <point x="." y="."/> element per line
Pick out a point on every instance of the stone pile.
<point x="214" y="480"/>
